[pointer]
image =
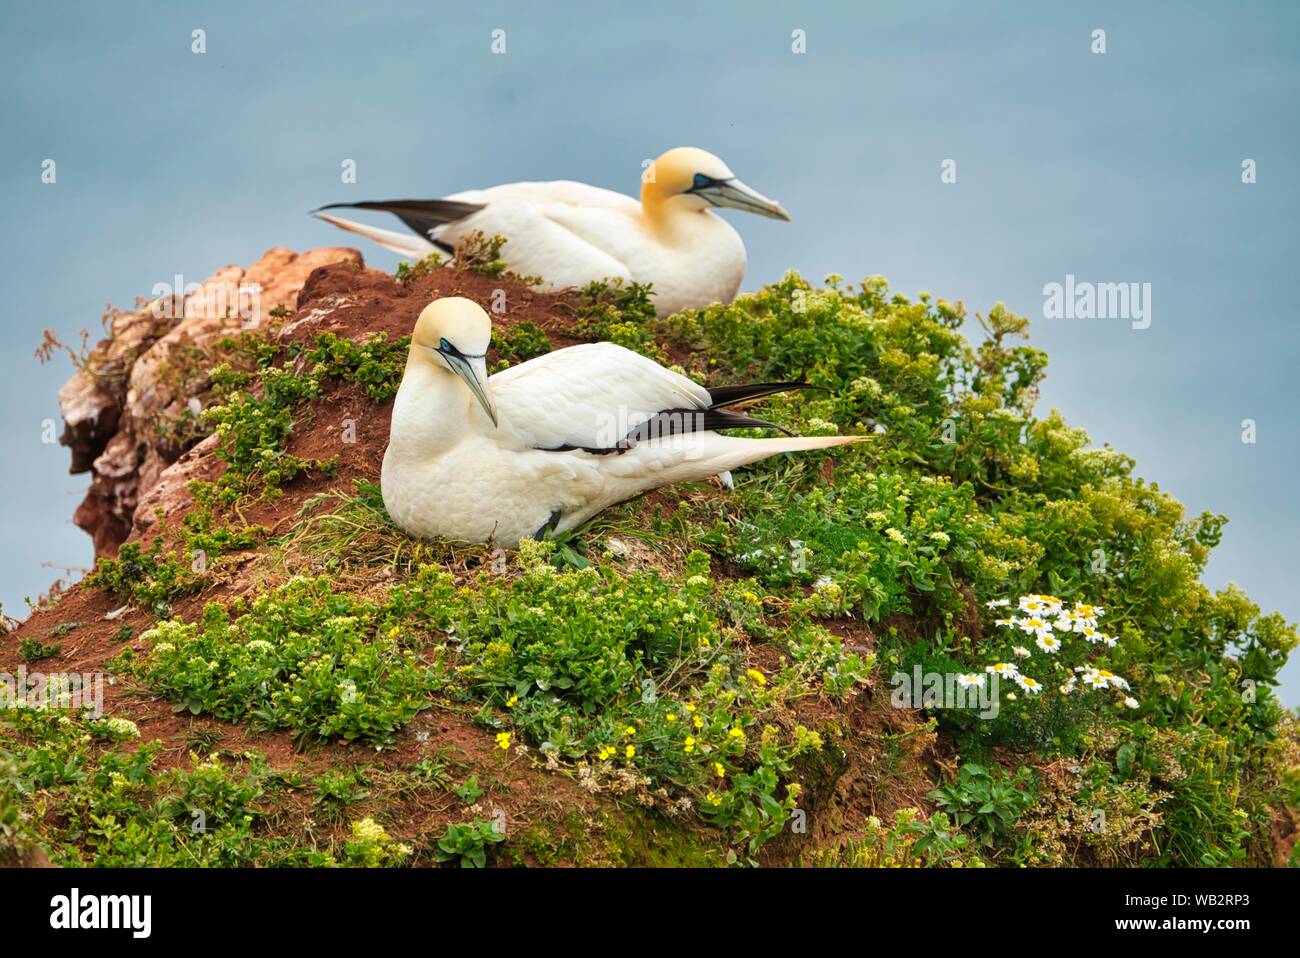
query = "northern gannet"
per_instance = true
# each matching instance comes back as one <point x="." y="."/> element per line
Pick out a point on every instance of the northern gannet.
<point x="551" y="442"/>
<point x="570" y="233"/>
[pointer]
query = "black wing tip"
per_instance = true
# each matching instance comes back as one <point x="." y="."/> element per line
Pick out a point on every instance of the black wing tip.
<point x="730" y="395"/>
<point x="749" y="422"/>
<point x="421" y="217"/>
<point x="380" y="205"/>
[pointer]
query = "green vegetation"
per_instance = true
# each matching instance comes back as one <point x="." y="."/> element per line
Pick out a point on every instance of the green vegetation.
<point x="985" y="500"/>
<point x="259" y="408"/>
<point x="910" y="842"/>
<point x="986" y="802"/>
<point x="116" y="808"/>
<point x="373" y="362"/>
<point x="617" y="312"/>
<point x="299" y="657"/>
<point x="703" y="668"/>
<point x="34" y="650"/>
<point x="152" y="577"/>
<point x="521" y="342"/>
<point x="467" y="844"/>
<point x="406" y="272"/>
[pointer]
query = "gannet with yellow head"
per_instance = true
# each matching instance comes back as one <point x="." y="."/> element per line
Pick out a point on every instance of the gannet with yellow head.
<point x="571" y="234"/>
<point x="551" y="442"/>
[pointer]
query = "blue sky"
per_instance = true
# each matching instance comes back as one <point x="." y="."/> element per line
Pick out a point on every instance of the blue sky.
<point x="1122" y="167"/>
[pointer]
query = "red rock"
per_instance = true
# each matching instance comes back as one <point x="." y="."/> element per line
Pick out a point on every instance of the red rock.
<point x="116" y="408"/>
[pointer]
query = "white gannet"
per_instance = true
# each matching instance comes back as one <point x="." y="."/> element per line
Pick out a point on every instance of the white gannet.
<point x="551" y="442"/>
<point x="570" y="233"/>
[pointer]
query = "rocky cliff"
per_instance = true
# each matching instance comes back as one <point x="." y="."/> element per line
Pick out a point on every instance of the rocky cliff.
<point x="129" y="411"/>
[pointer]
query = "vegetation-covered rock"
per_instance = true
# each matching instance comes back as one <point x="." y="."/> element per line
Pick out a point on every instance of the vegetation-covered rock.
<point x="697" y="677"/>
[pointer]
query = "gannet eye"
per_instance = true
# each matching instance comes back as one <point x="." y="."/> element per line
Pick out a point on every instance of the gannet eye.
<point x="444" y="346"/>
<point x="703" y="182"/>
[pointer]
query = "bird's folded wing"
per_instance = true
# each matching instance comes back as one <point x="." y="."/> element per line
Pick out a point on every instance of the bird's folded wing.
<point x="588" y="397"/>
<point x="538" y="245"/>
<point x="565" y="192"/>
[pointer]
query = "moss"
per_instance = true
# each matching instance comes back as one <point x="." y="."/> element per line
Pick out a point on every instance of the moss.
<point x="635" y="837"/>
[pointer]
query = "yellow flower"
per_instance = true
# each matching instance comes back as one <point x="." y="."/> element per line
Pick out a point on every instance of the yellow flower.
<point x="631" y="751"/>
<point x="512" y="701"/>
<point x="714" y="799"/>
<point x="394" y="632"/>
<point x="735" y="732"/>
<point x="630" y="730"/>
<point x="690" y="707"/>
<point x="758" y="677"/>
<point x="670" y="717"/>
<point x="721" y="772"/>
<point x="690" y="743"/>
<point x="607" y="752"/>
<point x="699" y="722"/>
<point x="503" y="740"/>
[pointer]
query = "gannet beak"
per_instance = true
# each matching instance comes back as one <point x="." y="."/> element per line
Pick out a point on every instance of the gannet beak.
<point x="738" y="196"/>
<point x="473" y="370"/>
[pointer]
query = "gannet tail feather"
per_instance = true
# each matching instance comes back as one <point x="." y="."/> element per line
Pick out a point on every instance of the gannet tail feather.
<point x="730" y="395"/>
<point x="731" y="452"/>
<point x="762" y="448"/>
<point x="674" y="422"/>
<point x="711" y="455"/>
<point x="404" y="244"/>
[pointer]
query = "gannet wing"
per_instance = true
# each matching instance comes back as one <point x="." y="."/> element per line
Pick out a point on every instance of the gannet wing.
<point x="567" y="233"/>
<point x="536" y="245"/>
<point x="591" y="397"/>
<point x="552" y="192"/>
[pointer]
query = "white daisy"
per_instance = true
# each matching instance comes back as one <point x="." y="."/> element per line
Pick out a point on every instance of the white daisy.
<point x="1092" y="678"/>
<point x="1029" y="685"/>
<point x="1069" y="621"/>
<point x="1051" y="604"/>
<point x="1020" y="652"/>
<point x="1113" y="680"/>
<point x="1006" y="670"/>
<point x="970" y="679"/>
<point x="1130" y="702"/>
<point x="997" y="603"/>
<point x="1089" y="613"/>
<point x="1034" y="625"/>
<point x="1030" y="604"/>
<point x="1048" y="643"/>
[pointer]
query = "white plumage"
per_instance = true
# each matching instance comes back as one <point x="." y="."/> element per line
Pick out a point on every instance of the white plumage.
<point x="570" y="234"/>
<point x="539" y="445"/>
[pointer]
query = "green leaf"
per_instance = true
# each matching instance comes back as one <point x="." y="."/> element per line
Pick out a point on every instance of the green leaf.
<point x="1124" y="758"/>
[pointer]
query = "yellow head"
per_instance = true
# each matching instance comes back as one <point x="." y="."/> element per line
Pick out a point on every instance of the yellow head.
<point x="453" y="334"/>
<point x="688" y="179"/>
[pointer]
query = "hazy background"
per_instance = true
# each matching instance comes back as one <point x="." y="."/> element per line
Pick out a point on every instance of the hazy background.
<point x="1117" y="167"/>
